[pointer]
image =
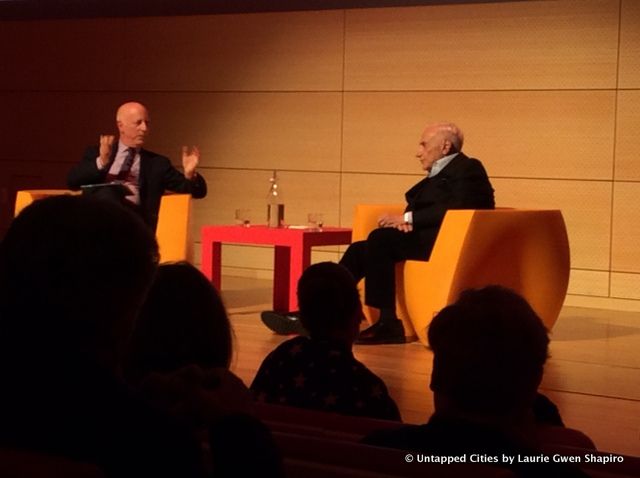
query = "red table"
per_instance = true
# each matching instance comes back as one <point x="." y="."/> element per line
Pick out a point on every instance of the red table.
<point x="292" y="253"/>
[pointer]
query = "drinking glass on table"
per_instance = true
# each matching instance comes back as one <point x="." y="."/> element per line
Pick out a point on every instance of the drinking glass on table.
<point x="243" y="217"/>
<point x="316" y="220"/>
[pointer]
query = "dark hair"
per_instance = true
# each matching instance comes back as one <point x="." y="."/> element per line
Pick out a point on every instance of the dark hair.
<point x="489" y="349"/>
<point x="73" y="271"/>
<point x="182" y="322"/>
<point x="328" y="298"/>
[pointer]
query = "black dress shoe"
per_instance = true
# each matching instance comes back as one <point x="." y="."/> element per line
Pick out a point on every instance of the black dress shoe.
<point x="283" y="324"/>
<point x="382" y="332"/>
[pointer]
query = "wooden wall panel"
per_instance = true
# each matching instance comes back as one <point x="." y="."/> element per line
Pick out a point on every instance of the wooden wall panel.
<point x="277" y="51"/>
<point x="629" y="69"/>
<point x="372" y="189"/>
<point x="62" y="54"/>
<point x="625" y="255"/>
<point x="549" y="134"/>
<point x="309" y="192"/>
<point x="627" y="166"/>
<point x="591" y="283"/>
<point x="254" y="257"/>
<point x="585" y="205"/>
<point x="519" y="45"/>
<point x="299" y="131"/>
<point x="625" y="286"/>
<point x="257" y="262"/>
<point x="54" y="126"/>
<point x="244" y="130"/>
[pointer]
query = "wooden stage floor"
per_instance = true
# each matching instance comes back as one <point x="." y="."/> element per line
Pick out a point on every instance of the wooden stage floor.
<point x="593" y="374"/>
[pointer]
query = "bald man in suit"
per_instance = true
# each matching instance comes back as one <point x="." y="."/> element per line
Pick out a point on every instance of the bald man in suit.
<point x="146" y="174"/>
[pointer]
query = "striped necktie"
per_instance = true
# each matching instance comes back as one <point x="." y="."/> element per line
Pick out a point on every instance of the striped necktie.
<point x="126" y="165"/>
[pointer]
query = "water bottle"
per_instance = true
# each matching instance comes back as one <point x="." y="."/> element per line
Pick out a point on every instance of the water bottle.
<point x="275" y="204"/>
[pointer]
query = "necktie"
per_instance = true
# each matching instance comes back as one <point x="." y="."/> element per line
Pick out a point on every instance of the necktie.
<point x="126" y="165"/>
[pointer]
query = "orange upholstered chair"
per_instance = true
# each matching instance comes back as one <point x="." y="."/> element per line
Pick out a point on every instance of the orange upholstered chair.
<point x="525" y="250"/>
<point x="24" y="198"/>
<point x="173" y="232"/>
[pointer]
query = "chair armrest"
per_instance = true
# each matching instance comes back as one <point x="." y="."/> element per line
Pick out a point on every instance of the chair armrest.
<point x="365" y="218"/>
<point x="26" y="197"/>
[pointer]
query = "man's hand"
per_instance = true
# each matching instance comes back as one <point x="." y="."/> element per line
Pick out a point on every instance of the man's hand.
<point x="190" y="160"/>
<point x="106" y="144"/>
<point x="396" y="221"/>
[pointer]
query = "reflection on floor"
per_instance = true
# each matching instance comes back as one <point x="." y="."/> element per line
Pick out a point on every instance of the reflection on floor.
<point x="593" y="373"/>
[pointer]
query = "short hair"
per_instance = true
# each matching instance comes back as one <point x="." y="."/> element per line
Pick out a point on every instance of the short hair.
<point x="182" y="322"/>
<point x="328" y="298"/>
<point x="489" y="350"/>
<point x="452" y="133"/>
<point x="72" y="269"/>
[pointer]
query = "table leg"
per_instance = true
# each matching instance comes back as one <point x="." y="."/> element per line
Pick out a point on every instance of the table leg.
<point x="300" y="260"/>
<point x="282" y="279"/>
<point x="290" y="262"/>
<point x="212" y="262"/>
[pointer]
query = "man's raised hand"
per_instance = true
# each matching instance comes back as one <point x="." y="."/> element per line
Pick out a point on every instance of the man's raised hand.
<point x="190" y="160"/>
<point x="106" y="145"/>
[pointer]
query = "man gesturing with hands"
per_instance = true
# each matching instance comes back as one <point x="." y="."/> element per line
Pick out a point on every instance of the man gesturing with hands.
<point x="146" y="174"/>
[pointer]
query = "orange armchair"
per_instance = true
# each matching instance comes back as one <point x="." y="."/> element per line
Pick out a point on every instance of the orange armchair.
<point x="173" y="232"/>
<point x="525" y="250"/>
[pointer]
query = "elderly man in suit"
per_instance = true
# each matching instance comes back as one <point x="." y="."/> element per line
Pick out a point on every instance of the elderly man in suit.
<point x="146" y="174"/>
<point x="453" y="181"/>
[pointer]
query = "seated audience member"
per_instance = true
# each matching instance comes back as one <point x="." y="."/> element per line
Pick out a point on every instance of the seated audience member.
<point x="545" y="412"/>
<point x="489" y="350"/>
<point x="178" y="360"/>
<point x="320" y="371"/>
<point x="183" y="322"/>
<point x="73" y="274"/>
<point x="181" y="348"/>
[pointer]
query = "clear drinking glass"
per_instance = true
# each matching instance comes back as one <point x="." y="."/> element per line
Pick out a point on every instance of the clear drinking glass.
<point x="316" y="220"/>
<point x="243" y="217"/>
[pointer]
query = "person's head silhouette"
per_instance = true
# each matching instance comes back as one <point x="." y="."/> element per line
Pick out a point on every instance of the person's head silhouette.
<point x="489" y="349"/>
<point x="73" y="274"/>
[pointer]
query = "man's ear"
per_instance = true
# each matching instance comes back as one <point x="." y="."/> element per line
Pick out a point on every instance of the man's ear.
<point x="446" y="147"/>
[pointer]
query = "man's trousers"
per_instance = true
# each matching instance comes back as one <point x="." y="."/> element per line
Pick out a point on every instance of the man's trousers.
<point x="375" y="259"/>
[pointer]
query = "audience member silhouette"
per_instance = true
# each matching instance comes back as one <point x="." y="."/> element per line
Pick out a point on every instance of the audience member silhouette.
<point x="489" y="350"/>
<point x="178" y="360"/>
<point x="73" y="274"/>
<point x="320" y="371"/>
<point x="183" y="322"/>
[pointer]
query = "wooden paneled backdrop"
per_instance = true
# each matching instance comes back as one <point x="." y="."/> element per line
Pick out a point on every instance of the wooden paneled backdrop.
<point x="547" y="92"/>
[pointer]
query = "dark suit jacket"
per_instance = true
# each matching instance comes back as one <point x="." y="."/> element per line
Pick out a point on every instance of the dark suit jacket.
<point x="157" y="174"/>
<point x="462" y="184"/>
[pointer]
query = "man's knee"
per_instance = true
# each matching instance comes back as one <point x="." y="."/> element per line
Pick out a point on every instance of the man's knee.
<point x="355" y="250"/>
<point x="384" y="238"/>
